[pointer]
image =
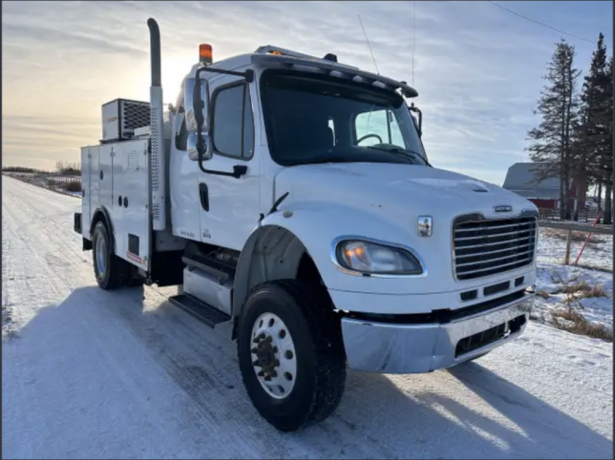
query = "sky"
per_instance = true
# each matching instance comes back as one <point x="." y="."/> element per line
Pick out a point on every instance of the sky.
<point x="478" y="69"/>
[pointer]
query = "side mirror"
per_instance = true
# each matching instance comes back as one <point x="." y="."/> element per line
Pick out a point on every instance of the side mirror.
<point x="191" y="116"/>
<point x="196" y="104"/>
<point x="418" y="123"/>
<point x="193" y="152"/>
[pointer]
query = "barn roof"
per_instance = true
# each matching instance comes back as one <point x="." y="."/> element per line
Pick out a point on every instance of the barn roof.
<point x="520" y="179"/>
<point x="521" y="176"/>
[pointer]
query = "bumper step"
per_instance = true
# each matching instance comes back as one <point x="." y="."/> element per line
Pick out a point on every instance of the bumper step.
<point x="200" y="310"/>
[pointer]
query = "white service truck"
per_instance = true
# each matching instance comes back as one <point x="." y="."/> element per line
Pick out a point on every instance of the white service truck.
<point x="291" y="199"/>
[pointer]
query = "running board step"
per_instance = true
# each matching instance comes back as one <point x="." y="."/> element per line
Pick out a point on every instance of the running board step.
<point x="210" y="265"/>
<point x="200" y="310"/>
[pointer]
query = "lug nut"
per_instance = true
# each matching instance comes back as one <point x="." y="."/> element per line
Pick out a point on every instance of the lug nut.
<point x="254" y="350"/>
<point x="261" y="373"/>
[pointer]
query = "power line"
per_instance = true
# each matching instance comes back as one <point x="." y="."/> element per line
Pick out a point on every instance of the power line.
<point x="540" y="23"/>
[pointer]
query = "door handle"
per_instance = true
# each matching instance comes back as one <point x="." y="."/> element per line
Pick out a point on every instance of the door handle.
<point x="204" y="195"/>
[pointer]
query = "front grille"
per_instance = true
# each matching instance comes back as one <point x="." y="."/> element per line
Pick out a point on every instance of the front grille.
<point x="488" y="247"/>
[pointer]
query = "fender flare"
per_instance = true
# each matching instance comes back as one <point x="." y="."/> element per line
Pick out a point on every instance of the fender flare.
<point x="102" y="214"/>
<point x="293" y="251"/>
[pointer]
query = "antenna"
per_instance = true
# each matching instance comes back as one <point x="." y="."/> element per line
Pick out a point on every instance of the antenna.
<point x="369" y="45"/>
<point x="413" y="36"/>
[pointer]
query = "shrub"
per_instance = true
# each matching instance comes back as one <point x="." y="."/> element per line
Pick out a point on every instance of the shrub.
<point x="572" y="321"/>
<point x="73" y="186"/>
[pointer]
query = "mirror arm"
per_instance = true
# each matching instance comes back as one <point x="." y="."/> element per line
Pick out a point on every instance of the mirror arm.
<point x="413" y="108"/>
<point x="199" y="105"/>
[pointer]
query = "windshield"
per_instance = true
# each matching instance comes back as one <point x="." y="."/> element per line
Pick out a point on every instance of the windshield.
<point x="318" y="119"/>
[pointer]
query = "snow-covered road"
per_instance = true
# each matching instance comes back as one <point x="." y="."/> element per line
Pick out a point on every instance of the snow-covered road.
<point x="93" y="374"/>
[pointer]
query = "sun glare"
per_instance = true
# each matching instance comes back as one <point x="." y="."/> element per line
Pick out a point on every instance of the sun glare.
<point x="174" y="69"/>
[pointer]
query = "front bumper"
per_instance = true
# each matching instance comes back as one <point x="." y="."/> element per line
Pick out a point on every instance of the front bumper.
<point x="395" y="348"/>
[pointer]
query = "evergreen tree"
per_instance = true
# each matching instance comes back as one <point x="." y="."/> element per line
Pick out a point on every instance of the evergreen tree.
<point x="593" y="148"/>
<point x="551" y="142"/>
<point x="606" y="144"/>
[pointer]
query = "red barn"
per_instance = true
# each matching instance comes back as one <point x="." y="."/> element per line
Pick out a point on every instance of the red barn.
<point x="521" y="179"/>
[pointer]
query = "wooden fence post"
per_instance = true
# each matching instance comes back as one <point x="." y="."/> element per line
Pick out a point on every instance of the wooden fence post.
<point x="568" y="244"/>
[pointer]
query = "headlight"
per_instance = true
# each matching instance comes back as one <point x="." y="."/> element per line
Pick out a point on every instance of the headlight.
<point x="367" y="257"/>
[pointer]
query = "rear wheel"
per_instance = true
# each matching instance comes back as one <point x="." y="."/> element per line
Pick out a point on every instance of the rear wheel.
<point x="111" y="272"/>
<point x="291" y="353"/>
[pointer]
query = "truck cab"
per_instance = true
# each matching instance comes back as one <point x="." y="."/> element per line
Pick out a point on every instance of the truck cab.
<point x="292" y="199"/>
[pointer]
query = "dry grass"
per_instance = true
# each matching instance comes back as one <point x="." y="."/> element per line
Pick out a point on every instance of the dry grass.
<point x="569" y="318"/>
<point x="572" y="321"/>
<point x="576" y="289"/>
<point x="577" y="237"/>
<point x="72" y="186"/>
<point x="545" y="295"/>
<point x="584" y="291"/>
<point x="596" y="291"/>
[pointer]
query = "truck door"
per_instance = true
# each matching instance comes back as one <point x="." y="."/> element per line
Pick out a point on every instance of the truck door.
<point x="229" y="206"/>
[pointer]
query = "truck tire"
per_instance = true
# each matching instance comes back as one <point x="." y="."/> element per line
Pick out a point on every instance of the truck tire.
<point x="291" y="353"/>
<point x="110" y="271"/>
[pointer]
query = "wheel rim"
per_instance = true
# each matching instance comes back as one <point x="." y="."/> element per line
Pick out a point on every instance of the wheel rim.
<point x="101" y="255"/>
<point x="273" y="356"/>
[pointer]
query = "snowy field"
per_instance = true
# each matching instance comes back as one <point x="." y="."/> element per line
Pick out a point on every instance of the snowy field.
<point x="93" y="374"/>
<point x="598" y="253"/>
<point x="51" y="182"/>
<point x="588" y="291"/>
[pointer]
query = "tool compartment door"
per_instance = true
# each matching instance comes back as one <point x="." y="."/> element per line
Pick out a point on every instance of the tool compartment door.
<point x="131" y="206"/>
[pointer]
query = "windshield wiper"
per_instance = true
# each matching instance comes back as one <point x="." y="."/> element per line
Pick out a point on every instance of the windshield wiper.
<point x="400" y="151"/>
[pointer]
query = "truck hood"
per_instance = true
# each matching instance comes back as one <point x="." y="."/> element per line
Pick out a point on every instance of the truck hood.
<point x="390" y="188"/>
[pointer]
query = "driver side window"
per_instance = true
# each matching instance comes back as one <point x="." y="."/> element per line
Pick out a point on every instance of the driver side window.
<point x="377" y="127"/>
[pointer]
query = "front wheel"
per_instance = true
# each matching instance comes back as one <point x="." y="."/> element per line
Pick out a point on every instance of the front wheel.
<point x="291" y="353"/>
